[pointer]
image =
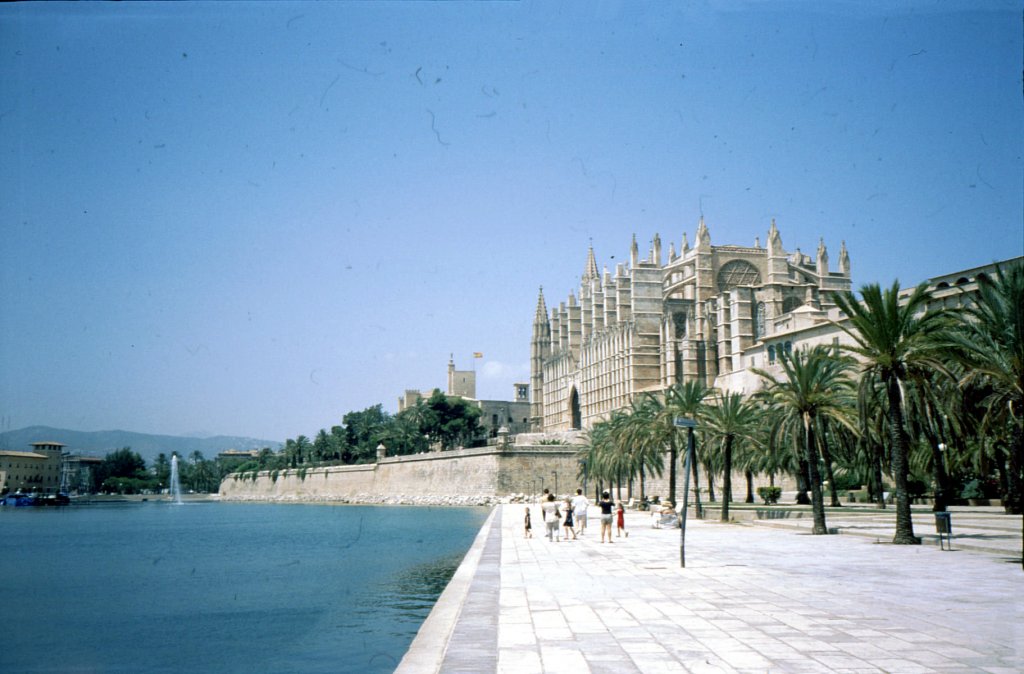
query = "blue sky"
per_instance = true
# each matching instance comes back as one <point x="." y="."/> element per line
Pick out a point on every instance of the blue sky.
<point x="249" y="219"/>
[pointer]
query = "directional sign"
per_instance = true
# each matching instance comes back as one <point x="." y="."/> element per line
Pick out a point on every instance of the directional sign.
<point x="683" y="422"/>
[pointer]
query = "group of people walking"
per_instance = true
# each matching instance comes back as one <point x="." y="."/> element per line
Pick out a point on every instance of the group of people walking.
<point x="571" y="516"/>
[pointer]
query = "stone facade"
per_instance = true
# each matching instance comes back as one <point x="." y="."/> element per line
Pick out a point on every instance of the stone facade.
<point x="461" y="476"/>
<point x="654" y="324"/>
<point x="38" y="471"/>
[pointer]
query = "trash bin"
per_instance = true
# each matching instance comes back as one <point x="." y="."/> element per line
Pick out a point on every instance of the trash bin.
<point x="944" y="528"/>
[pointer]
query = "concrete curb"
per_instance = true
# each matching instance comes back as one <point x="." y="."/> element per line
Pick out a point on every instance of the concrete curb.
<point x="427" y="651"/>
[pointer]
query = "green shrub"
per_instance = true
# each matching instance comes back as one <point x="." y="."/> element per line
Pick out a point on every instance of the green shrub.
<point x="972" y="489"/>
<point x="769" y="494"/>
<point x="847" y="482"/>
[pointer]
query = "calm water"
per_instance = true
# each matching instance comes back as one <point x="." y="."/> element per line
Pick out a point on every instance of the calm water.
<point x="222" y="587"/>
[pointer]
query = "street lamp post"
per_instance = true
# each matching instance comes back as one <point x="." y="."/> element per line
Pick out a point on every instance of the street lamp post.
<point x="689" y="425"/>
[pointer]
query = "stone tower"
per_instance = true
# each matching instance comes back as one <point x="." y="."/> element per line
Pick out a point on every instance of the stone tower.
<point x="540" y="348"/>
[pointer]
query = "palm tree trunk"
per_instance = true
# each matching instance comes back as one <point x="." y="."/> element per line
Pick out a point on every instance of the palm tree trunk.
<point x="826" y="457"/>
<point x="934" y="432"/>
<point x="749" y="475"/>
<point x="711" y="484"/>
<point x="727" y="479"/>
<point x="814" y="478"/>
<point x="876" y="476"/>
<point x="900" y="469"/>
<point x="1015" y="484"/>
<point x="801" y="480"/>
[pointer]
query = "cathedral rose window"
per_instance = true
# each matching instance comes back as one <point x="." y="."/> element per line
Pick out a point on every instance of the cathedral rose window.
<point x="738" y="273"/>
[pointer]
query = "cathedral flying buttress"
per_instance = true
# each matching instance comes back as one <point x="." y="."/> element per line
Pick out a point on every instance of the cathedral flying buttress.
<point x="651" y="324"/>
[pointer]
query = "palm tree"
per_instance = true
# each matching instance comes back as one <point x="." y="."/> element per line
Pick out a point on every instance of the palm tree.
<point x="991" y="345"/>
<point x="642" y="438"/>
<point x="872" y="431"/>
<point x="816" y="386"/>
<point x="607" y="451"/>
<point x="933" y="408"/>
<point x="302" y="449"/>
<point x="897" y="342"/>
<point x="682" y="400"/>
<point x="729" y="420"/>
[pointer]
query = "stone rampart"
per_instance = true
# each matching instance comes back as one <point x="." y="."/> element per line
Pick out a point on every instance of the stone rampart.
<point x="463" y="476"/>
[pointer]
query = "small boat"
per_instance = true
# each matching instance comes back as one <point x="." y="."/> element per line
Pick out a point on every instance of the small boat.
<point x="60" y="499"/>
<point x="19" y="500"/>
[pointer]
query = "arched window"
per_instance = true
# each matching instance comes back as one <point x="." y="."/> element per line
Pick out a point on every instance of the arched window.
<point x="771" y="354"/>
<point x="679" y="322"/>
<point x="574" y="410"/>
<point x="759" y="310"/>
<point x="791" y="303"/>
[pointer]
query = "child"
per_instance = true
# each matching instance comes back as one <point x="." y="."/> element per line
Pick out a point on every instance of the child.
<point x="620" y="519"/>
<point x="568" y="524"/>
<point x="527" y="528"/>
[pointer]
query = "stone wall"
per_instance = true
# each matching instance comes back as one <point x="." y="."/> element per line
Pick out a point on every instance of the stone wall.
<point x="461" y="476"/>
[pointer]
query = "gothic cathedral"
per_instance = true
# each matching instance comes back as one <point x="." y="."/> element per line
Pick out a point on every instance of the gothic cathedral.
<point x="652" y="325"/>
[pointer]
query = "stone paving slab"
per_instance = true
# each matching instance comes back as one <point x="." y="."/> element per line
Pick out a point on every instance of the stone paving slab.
<point x="976" y="529"/>
<point x="751" y="599"/>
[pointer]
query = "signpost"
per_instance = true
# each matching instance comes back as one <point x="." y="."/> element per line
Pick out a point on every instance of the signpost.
<point x="689" y="425"/>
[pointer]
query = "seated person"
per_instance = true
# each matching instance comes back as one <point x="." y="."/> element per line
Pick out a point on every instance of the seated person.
<point x="664" y="516"/>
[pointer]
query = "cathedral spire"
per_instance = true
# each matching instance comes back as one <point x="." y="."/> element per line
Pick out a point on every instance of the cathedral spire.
<point x="540" y="349"/>
<point x="844" y="260"/>
<point x="634" y="253"/>
<point x="774" y="240"/>
<point x="822" y="259"/>
<point x="703" y="235"/>
<point x="590" y="271"/>
<point x="542" y="309"/>
<point x="684" y="247"/>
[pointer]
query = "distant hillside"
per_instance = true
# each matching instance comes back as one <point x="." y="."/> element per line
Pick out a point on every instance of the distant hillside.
<point x="148" y="446"/>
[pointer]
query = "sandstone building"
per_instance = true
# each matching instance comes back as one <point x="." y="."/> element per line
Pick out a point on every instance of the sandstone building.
<point x="655" y="323"/>
<point x="511" y="415"/>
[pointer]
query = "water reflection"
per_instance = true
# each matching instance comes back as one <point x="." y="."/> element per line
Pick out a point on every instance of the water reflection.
<point x="411" y="594"/>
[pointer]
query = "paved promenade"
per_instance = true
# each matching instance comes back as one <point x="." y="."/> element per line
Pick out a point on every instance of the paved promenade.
<point x="751" y="599"/>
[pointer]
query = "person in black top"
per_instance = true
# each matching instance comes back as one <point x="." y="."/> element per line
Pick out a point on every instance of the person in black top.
<point x="606" y="504"/>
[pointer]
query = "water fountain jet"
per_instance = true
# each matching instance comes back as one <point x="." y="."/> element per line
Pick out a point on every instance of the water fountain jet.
<point x="175" y="488"/>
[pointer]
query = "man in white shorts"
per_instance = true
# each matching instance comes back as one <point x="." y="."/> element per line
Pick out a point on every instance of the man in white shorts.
<point x="580" y="503"/>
